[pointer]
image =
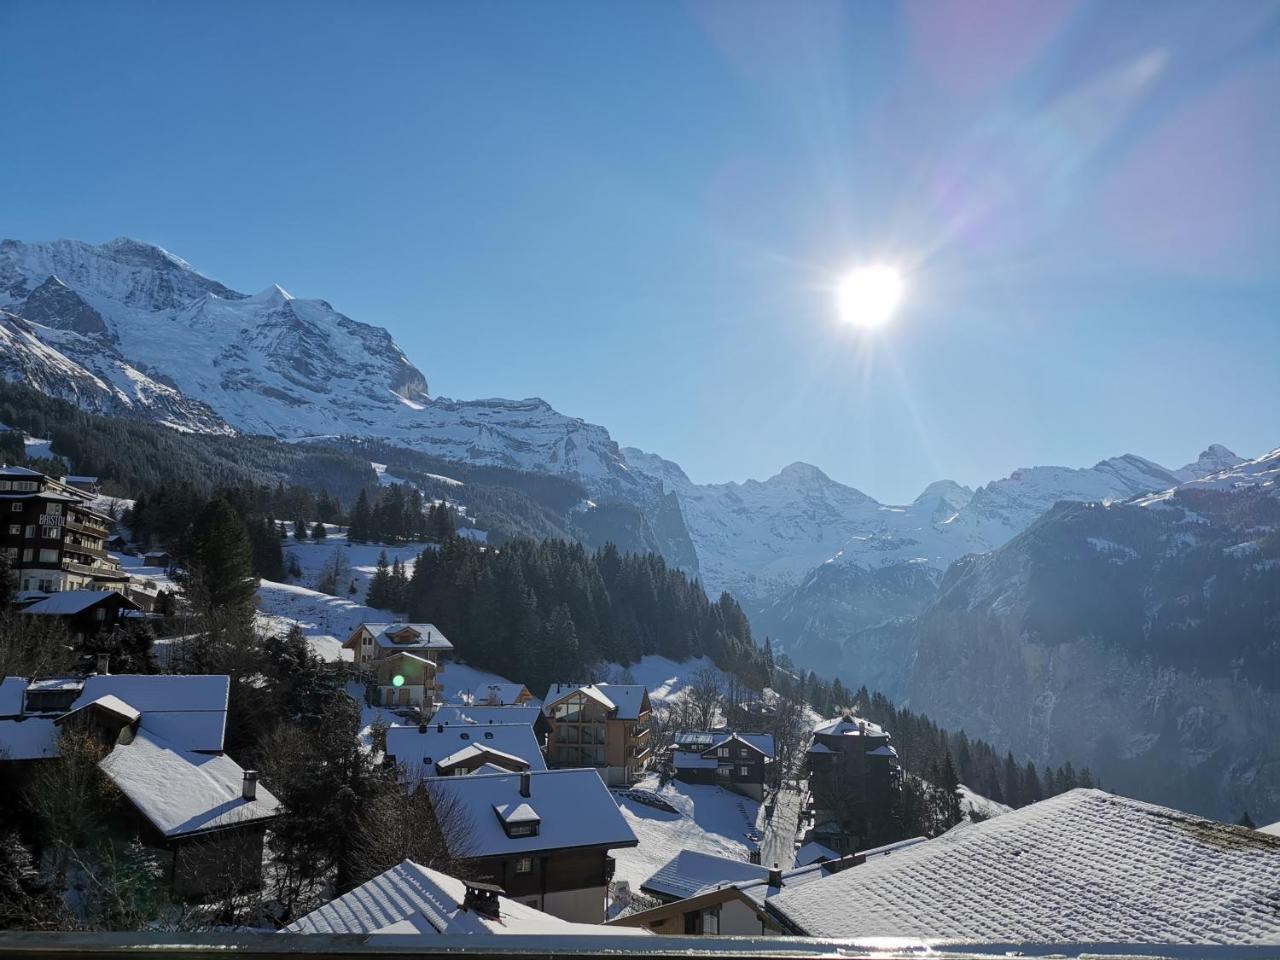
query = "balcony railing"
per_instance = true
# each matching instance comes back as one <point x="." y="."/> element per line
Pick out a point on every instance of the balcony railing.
<point x="268" y="946"/>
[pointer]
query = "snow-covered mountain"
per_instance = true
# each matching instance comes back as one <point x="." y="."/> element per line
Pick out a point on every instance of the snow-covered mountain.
<point x="1142" y="638"/>
<point x="127" y="328"/>
<point x="762" y="539"/>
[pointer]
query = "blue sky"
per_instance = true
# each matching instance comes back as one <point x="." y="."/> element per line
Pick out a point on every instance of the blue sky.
<point x="638" y="211"/>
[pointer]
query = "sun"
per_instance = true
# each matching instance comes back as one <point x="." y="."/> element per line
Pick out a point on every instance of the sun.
<point x="869" y="296"/>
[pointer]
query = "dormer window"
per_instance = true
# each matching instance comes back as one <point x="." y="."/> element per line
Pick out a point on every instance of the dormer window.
<point x="518" y="820"/>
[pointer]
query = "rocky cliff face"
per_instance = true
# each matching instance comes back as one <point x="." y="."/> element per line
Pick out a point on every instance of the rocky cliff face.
<point x="1140" y="638"/>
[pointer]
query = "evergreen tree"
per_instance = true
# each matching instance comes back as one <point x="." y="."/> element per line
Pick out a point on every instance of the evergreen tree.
<point x="299" y="529"/>
<point x="360" y="529"/>
<point x="218" y="576"/>
<point x="379" y="594"/>
<point x="399" y="590"/>
<point x="318" y="532"/>
<point x="1246" y="821"/>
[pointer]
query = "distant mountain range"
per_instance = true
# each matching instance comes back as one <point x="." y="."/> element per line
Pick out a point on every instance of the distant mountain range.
<point x="844" y="583"/>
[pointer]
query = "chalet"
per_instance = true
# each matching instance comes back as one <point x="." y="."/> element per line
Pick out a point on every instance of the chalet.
<point x="853" y="770"/>
<point x="158" y="558"/>
<point x="445" y="750"/>
<point x="55" y="541"/>
<point x="404" y="660"/>
<point x="1081" y="867"/>
<point x="740" y="761"/>
<point x="85" y="613"/>
<point x="601" y="725"/>
<point x="413" y="899"/>
<point x="542" y="836"/>
<point x="163" y="737"/>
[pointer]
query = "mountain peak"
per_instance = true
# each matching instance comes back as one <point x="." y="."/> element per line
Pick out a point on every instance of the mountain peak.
<point x="1213" y="459"/>
<point x="947" y="491"/>
<point x="802" y="472"/>
<point x="272" y="294"/>
<point x="136" y="251"/>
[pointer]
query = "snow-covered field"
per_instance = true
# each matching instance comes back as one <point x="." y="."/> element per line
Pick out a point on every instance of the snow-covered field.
<point x="667" y="678"/>
<point x="710" y="820"/>
<point x="361" y="557"/>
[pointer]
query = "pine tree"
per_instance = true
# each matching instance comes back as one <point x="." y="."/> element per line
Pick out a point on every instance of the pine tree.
<point x="318" y="532"/>
<point x="399" y="593"/>
<point x="218" y="578"/>
<point x="378" y="595"/>
<point x="360" y="529"/>
<point x="299" y="529"/>
<point x="1246" y="821"/>
<point x="950" y="802"/>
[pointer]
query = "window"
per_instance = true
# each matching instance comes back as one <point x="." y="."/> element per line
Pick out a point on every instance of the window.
<point x="15" y="529"/>
<point x="743" y="753"/>
<point x="51" y="531"/>
<point x="24" y="485"/>
<point x="53" y="509"/>
<point x="5" y="485"/>
<point x="48" y="556"/>
<point x="16" y="507"/>
<point x="744" y="771"/>
<point x="30" y="532"/>
<point x="522" y="829"/>
<point x="524" y="865"/>
<point x="722" y="752"/>
<point x="27" y="555"/>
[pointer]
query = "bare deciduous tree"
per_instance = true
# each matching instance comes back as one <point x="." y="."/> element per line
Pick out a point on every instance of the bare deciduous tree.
<point x="704" y="693"/>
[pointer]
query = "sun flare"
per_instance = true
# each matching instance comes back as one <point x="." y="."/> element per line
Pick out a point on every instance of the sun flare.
<point x="869" y="296"/>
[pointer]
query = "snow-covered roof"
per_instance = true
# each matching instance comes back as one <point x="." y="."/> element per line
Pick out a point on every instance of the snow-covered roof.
<point x="559" y="691"/>
<point x="883" y="751"/>
<point x="31" y="738"/>
<point x="189" y="711"/>
<point x="13" y="691"/>
<point x="689" y="872"/>
<point x="814" y="852"/>
<point x="1272" y="828"/>
<point x="430" y="637"/>
<point x="108" y="701"/>
<point x="16" y="471"/>
<point x="420" y="751"/>
<point x="758" y="741"/>
<point x="489" y="694"/>
<point x="181" y="792"/>
<point x="489" y="754"/>
<point x="517" y="813"/>
<point x="849" y="727"/>
<point x="1082" y="866"/>
<point x="67" y="603"/>
<point x="410" y="898"/>
<point x="575" y="807"/>
<point x="625" y="700"/>
<point x="483" y="715"/>
<point x="688" y="760"/>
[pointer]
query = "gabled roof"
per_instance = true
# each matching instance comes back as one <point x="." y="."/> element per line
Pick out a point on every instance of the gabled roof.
<point x="430" y="636"/>
<point x="189" y="711"/>
<point x="561" y="691"/>
<point x="516" y="813"/>
<point x="690" y="872"/>
<point x="762" y="743"/>
<point x="24" y="472"/>
<point x="109" y="702"/>
<point x="490" y="755"/>
<point x="689" y="760"/>
<point x="413" y="899"/>
<point x="181" y="792"/>
<point x="1084" y="866"/>
<point x="626" y="701"/>
<point x="13" y="691"/>
<point x="70" y="602"/>
<point x="576" y="808"/>
<point x="418" y="751"/>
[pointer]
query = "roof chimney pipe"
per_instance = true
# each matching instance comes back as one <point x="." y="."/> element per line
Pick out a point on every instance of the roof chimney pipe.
<point x="104" y="663"/>
<point x="775" y="876"/>
<point x="525" y="785"/>
<point x="249" y="786"/>
<point x="482" y="898"/>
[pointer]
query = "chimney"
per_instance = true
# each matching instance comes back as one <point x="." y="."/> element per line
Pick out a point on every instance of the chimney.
<point x="482" y="898"/>
<point x="104" y="663"/>
<point x="525" y="786"/>
<point x="775" y="876"/>
<point x="439" y="728"/>
<point x="422" y="726"/>
<point x="249" y="787"/>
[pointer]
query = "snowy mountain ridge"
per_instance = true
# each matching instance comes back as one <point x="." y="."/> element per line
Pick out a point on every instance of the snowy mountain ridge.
<point x="130" y="329"/>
